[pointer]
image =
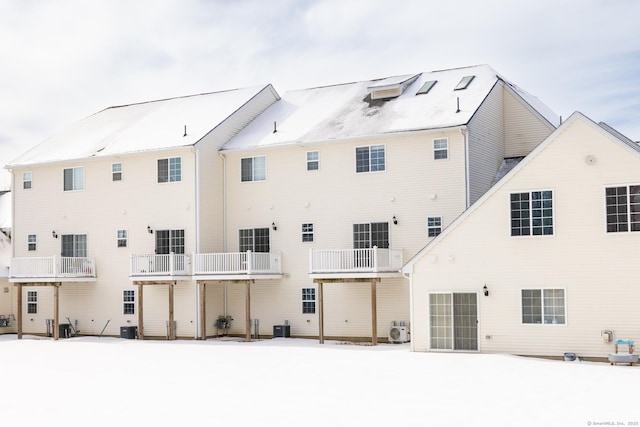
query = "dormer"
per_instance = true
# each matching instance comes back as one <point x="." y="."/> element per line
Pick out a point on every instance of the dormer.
<point x="391" y="87"/>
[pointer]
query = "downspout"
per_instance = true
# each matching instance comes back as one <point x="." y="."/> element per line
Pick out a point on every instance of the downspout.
<point x="196" y="158"/>
<point x="224" y="220"/>
<point x="467" y="191"/>
<point x="410" y="277"/>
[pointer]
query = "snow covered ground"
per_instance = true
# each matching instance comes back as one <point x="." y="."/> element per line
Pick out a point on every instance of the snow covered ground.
<point x="295" y="382"/>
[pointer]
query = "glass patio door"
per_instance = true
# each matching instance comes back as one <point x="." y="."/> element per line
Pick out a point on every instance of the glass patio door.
<point x="453" y="321"/>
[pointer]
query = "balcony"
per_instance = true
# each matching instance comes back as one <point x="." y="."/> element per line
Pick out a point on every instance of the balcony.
<point x="52" y="269"/>
<point x="237" y="266"/>
<point x="153" y="267"/>
<point x="355" y="263"/>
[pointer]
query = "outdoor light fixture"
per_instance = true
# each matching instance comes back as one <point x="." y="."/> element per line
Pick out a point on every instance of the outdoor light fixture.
<point x="485" y="290"/>
<point x="273" y="225"/>
<point x="395" y="220"/>
<point x="149" y="229"/>
<point x="54" y="234"/>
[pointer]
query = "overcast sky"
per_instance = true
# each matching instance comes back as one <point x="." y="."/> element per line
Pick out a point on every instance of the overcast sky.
<point x="63" y="60"/>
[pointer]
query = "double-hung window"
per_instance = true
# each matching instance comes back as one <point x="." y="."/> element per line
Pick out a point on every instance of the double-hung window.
<point x="74" y="245"/>
<point x="170" y="170"/>
<point x="440" y="148"/>
<point x="32" y="302"/>
<point x="122" y="238"/>
<point x="370" y="159"/>
<point x="532" y="213"/>
<point x="308" y="300"/>
<point x="313" y="160"/>
<point x="253" y="239"/>
<point x="623" y="208"/>
<point x="73" y="179"/>
<point x="27" y="180"/>
<point x="32" y="242"/>
<point x="116" y="171"/>
<point x="434" y="226"/>
<point x="543" y="306"/>
<point x="253" y="169"/>
<point x="128" y="301"/>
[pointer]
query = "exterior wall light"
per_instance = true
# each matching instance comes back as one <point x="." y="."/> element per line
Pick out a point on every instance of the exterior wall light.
<point x="395" y="220"/>
<point x="273" y="225"/>
<point x="54" y="234"/>
<point x="485" y="290"/>
<point x="149" y="229"/>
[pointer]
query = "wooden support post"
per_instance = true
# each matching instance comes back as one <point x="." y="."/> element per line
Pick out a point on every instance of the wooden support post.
<point x="56" y="315"/>
<point x="172" y="329"/>
<point x="248" y="311"/>
<point x="374" y="314"/>
<point x="203" y="310"/>
<point x="19" y="311"/>
<point x="320" y="314"/>
<point x="140" y="313"/>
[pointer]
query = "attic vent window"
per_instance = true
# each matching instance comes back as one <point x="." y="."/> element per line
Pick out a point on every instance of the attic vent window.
<point x="426" y="87"/>
<point x="464" y="83"/>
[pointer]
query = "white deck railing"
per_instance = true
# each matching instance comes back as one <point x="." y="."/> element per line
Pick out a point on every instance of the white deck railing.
<point x="159" y="265"/>
<point x="237" y="263"/>
<point x="54" y="266"/>
<point x="355" y="260"/>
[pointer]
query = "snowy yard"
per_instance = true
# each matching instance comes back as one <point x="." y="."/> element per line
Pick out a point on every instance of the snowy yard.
<point x="295" y="382"/>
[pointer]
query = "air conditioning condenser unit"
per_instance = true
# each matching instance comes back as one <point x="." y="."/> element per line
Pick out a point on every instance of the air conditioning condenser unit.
<point x="398" y="334"/>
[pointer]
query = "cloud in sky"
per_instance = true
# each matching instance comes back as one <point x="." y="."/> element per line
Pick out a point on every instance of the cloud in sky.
<point x="64" y="60"/>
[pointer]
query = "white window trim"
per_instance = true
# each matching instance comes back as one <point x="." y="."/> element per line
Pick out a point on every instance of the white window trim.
<point x="125" y="302"/>
<point x="355" y="152"/>
<point x="446" y="150"/>
<point x="32" y="303"/>
<point x="314" y="301"/>
<point x="541" y="289"/>
<point x="553" y="207"/>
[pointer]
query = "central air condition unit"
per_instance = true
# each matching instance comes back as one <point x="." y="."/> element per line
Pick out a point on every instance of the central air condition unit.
<point x="398" y="334"/>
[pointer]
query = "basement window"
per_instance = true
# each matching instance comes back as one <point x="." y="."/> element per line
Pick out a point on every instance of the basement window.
<point x="426" y="87"/>
<point x="464" y="83"/>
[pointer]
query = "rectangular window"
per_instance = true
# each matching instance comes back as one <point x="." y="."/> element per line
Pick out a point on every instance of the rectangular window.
<point x="122" y="238"/>
<point x="253" y="169"/>
<point x="543" y="306"/>
<point x="370" y="159"/>
<point x="366" y="236"/>
<point x="307" y="232"/>
<point x="532" y="213"/>
<point x="116" y="171"/>
<point x="32" y="242"/>
<point x="170" y="170"/>
<point x="73" y="179"/>
<point x="313" y="160"/>
<point x="308" y="301"/>
<point x="464" y="82"/>
<point x="434" y="226"/>
<point x="623" y="208"/>
<point x="27" y="180"/>
<point x="426" y="87"/>
<point x="169" y="241"/>
<point x="440" y="148"/>
<point x="32" y="302"/>
<point x="74" y="245"/>
<point x="128" y="302"/>
<point x="253" y="239"/>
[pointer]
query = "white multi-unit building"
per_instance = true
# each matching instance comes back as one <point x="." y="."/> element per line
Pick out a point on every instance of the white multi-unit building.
<point x="293" y="214"/>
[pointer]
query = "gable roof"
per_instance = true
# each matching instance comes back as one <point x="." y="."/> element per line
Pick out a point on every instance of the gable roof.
<point x="603" y="130"/>
<point x="146" y="126"/>
<point x="348" y="111"/>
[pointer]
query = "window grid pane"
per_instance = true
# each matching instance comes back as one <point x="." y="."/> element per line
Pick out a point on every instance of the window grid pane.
<point x="163" y="170"/>
<point x="175" y="169"/>
<point x="259" y="168"/>
<point x="362" y="159"/>
<point x="32" y="302"/>
<point x="441" y="322"/>
<point x="377" y="158"/>
<point x="128" y="302"/>
<point x="307" y="232"/>
<point x="531" y="306"/>
<point x="434" y="226"/>
<point x="541" y="213"/>
<point x="308" y="300"/>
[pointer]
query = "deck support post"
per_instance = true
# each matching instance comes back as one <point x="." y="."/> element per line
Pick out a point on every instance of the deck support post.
<point x="19" y="310"/>
<point x="203" y="311"/>
<point x="374" y="314"/>
<point x="172" y="328"/>
<point x="320" y="314"/>
<point x="56" y="312"/>
<point x="140" y="312"/>
<point x="248" y="310"/>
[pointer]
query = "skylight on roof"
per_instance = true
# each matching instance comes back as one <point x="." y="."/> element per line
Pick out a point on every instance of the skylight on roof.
<point x="464" y="83"/>
<point x="426" y="87"/>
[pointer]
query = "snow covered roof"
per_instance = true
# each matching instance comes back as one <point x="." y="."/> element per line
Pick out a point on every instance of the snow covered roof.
<point x="347" y="110"/>
<point x="153" y="125"/>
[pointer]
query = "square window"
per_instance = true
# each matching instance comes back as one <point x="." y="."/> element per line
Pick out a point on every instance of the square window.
<point x="622" y="208"/>
<point x="440" y="148"/>
<point x="370" y="159"/>
<point x="73" y="179"/>
<point x="253" y="169"/>
<point x="313" y="160"/>
<point x="532" y="213"/>
<point x="170" y="170"/>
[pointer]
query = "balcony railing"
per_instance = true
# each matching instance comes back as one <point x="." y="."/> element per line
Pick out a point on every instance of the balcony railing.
<point x="237" y="263"/>
<point x="159" y="265"/>
<point x="52" y="267"/>
<point x="374" y="260"/>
